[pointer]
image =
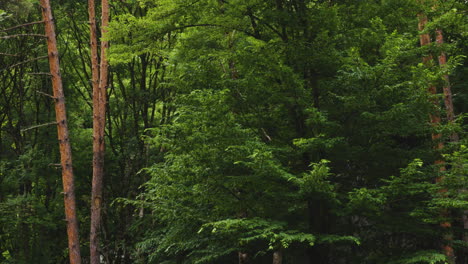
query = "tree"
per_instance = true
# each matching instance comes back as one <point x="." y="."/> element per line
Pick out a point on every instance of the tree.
<point x="100" y="84"/>
<point x="362" y="107"/>
<point x="290" y="131"/>
<point x="64" y="141"/>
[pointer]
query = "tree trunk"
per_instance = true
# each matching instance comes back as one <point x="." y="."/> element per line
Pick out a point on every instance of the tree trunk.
<point x="319" y="223"/>
<point x="278" y="256"/>
<point x="436" y="137"/>
<point x="97" y="159"/>
<point x="465" y="233"/>
<point x="425" y="40"/>
<point x="94" y="49"/>
<point x="100" y="83"/>
<point x="450" y="118"/>
<point x="243" y="257"/>
<point x="64" y="142"/>
<point x="447" y="89"/>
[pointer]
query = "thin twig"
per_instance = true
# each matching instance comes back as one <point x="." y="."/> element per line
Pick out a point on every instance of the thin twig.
<point x="46" y="94"/>
<point x="7" y="54"/>
<point x="37" y="126"/>
<point x="23" y="35"/>
<point x="23" y="62"/>
<point x="39" y="73"/>
<point x="23" y="25"/>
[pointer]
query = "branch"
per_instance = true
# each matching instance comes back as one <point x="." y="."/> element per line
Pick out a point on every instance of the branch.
<point x="23" y="35"/>
<point x="7" y="54"/>
<point x="46" y="94"/>
<point x="265" y="134"/>
<point x="23" y="62"/>
<point x="23" y="25"/>
<point x="269" y="26"/>
<point x="39" y="73"/>
<point x="213" y="25"/>
<point x="37" y="126"/>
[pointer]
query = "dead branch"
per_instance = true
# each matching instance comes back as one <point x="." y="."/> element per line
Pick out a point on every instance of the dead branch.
<point x="7" y="54"/>
<point x="24" y="62"/>
<point x="39" y="73"/>
<point x="46" y="94"/>
<point x="56" y="165"/>
<point x="265" y="134"/>
<point x="23" y="35"/>
<point x="37" y="126"/>
<point x="22" y="25"/>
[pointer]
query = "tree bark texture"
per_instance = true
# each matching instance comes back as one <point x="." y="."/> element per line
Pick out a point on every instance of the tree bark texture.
<point x="100" y="83"/>
<point x="93" y="48"/>
<point x="97" y="159"/>
<point x="436" y="137"/>
<point x="64" y="142"/>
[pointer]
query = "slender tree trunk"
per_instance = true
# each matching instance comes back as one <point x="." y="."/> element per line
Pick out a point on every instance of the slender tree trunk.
<point x="465" y="231"/>
<point x="243" y="258"/>
<point x="447" y="89"/>
<point x="436" y="137"/>
<point x="97" y="159"/>
<point x="100" y="83"/>
<point x="278" y="256"/>
<point x="64" y="142"/>
<point x="450" y="118"/>
<point x="319" y="223"/>
<point x="94" y="49"/>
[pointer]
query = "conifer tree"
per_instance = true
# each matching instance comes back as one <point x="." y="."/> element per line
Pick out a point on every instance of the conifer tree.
<point x="63" y="136"/>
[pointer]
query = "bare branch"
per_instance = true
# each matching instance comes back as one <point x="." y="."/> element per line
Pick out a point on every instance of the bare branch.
<point x="56" y="165"/>
<point x="23" y="35"/>
<point x="23" y="25"/>
<point x="37" y="126"/>
<point x="24" y="62"/>
<point x="265" y="134"/>
<point x="46" y="94"/>
<point x="7" y="54"/>
<point x="39" y="73"/>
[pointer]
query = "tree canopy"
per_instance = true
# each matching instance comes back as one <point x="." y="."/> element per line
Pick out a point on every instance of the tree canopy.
<point x="242" y="131"/>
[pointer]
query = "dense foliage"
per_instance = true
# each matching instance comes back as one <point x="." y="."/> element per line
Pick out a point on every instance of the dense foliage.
<point x="297" y="128"/>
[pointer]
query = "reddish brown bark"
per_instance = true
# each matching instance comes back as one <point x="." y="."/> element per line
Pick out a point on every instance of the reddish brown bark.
<point x="450" y="114"/>
<point x="64" y="142"/>
<point x="93" y="48"/>
<point x="98" y="164"/>
<point x="104" y="67"/>
<point x="100" y="83"/>
<point x="447" y="89"/>
<point x="424" y="40"/>
<point x="436" y="137"/>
